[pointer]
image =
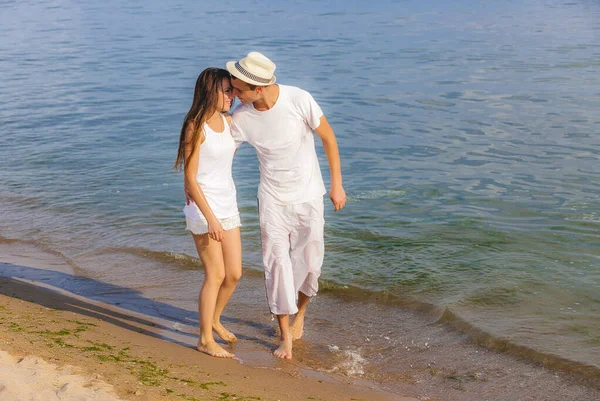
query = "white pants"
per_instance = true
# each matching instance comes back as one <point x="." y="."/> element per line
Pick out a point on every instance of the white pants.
<point x="293" y="250"/>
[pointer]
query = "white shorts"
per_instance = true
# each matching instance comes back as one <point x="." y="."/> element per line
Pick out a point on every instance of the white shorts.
<point x="293" y="248"/>
<point x="197" y="224"/>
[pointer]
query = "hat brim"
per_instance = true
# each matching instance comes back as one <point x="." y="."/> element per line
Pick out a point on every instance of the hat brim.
<point x="234" y="71"/>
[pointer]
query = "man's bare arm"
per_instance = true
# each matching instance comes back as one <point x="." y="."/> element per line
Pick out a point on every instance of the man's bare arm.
<point x="336" y="192"/>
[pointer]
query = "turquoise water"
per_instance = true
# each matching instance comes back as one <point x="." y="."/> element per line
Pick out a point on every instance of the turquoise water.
<point x="468" y="134"/>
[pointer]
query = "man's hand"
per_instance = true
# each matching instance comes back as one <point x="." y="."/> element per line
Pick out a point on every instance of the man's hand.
<point x="338" y="197"/>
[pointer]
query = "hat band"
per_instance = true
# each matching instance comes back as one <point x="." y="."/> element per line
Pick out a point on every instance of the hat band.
<point x="250" y="75"/>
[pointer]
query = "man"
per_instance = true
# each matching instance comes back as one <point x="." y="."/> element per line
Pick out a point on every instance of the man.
<point x="279" y="120"/>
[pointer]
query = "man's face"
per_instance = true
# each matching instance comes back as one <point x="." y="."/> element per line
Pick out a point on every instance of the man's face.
<point x="243" y="92"/>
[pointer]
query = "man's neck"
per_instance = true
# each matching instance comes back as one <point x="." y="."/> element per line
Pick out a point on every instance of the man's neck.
<point x="270" y="96"/>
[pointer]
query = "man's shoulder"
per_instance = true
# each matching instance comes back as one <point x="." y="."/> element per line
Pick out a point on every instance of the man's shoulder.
<point x="297" y="98"/>
<point x="294" y="91"/>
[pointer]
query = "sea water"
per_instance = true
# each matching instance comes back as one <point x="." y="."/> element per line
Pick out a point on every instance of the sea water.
<point x="468" y="134"/>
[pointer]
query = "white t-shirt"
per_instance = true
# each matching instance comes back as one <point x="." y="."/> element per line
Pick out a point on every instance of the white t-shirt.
<point x="285" y="145"/>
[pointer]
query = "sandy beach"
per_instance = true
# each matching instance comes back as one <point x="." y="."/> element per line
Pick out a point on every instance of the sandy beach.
<point x="32" y="378"/>
<point x="60" y="346"/>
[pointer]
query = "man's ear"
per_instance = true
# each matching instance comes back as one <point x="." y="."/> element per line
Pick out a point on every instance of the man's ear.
<point x="259" y="89"/>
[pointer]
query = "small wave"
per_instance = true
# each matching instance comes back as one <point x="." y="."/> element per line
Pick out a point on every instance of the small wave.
<point x="5" y="240"/>
<point x="490" y="341"/>
<point x="184" y="328"/>
<point x="180" y="260"/>
<point x="351" y="361"/>
<point x="377" y="194"/>
<point x="591" y="217"/>
<point x="44" y="248"/>
<point x="171" y="259"/>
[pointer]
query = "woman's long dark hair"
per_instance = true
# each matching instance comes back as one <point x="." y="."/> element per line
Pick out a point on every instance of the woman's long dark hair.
<point x="208" y="85"/>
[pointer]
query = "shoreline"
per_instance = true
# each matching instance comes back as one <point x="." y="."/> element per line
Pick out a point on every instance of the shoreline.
<point x="129" y="354"/>
<point x="424" y="358"/>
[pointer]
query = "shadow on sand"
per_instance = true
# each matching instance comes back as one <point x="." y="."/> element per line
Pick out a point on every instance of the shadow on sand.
<point x="121" y="306"/>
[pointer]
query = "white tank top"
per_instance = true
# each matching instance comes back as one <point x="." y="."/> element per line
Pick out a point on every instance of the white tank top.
<point x="214" y="174"/>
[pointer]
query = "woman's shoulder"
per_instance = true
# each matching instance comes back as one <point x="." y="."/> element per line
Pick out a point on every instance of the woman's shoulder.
<point x="193" y="134"/>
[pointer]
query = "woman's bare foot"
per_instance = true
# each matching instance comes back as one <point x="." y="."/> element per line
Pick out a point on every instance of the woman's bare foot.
<point x="225" y="334"/>
<point x="285" y="349"/>
<point x="213" y="349"/>
<point x="297" y="327"/>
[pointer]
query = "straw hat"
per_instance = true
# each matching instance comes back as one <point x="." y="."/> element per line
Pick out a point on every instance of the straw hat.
<point x="255" y="69"/>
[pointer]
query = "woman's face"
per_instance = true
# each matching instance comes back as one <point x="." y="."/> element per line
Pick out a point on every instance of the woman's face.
<point x="225" y="95"/>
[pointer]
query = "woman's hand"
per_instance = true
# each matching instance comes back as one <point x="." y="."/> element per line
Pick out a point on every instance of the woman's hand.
<point x="188" y="194"/>
<point x="215" y="230"/>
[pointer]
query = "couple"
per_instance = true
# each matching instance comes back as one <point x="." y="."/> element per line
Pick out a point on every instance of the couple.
<point x="279" y="121"/>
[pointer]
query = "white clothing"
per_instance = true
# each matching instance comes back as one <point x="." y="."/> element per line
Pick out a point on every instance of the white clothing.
<point x="200" y="226"/>
<point x="298" y="227"/>
<point x="284" y="142"/>
<point x="290" y="193"/>
<point x="214" y="177"/>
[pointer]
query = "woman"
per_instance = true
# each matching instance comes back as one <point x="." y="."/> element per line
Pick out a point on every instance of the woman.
<point x="205" y="153"/>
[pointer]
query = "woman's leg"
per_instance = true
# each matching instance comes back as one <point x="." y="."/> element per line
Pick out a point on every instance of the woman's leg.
<point x="232" y="259"/>
<point x="211" y="254"/>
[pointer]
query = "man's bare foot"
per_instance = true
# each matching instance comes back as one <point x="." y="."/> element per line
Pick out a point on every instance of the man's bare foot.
<point x="225" y="334"/>
<point x="285" y="349"/>
<point x="213" y="349"/>
<point x="297" y="328"/>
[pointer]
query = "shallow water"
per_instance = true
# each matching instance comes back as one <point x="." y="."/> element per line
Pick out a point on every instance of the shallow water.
<point x="468" y="134"/>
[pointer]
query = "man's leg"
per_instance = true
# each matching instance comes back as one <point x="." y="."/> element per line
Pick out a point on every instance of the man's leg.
<point x="285" y="348"/>
<point x="297" y="327"/>
<point x="279" y="277"/>
<point x="307" y="251"/>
